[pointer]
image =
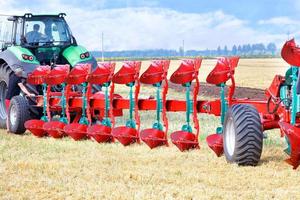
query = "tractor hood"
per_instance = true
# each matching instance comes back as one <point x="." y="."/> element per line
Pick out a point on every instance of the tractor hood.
<point x="78" y="54"/>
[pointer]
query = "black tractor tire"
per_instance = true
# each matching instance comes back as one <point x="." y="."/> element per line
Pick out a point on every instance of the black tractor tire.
<point x="5" y="72"/>
<point x="243" y="135"/>
<point x="18" y="114"/>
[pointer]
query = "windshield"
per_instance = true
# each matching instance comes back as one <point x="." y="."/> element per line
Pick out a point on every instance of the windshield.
<point x="41" y="31"/>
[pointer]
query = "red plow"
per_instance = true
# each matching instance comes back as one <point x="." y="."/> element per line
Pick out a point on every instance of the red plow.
<point x="76" y="110"/>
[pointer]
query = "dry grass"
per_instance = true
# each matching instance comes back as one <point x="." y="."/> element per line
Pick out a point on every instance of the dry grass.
<point x="45" y="168"/>
<point x="34" y="168"/>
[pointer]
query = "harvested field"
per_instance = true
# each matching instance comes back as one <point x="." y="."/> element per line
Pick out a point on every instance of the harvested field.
<point x="34" y="168"/>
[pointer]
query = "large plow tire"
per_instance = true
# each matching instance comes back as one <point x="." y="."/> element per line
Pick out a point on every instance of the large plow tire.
<point x="4" y="78"/>
<point x="18" y="114"/>
<point x="243" y="135"/>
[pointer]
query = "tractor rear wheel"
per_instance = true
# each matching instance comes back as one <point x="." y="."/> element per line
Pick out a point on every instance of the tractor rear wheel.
<point x="18" y="114"/>
<point x="243" y="135"/>
<point x="5" y="72"/>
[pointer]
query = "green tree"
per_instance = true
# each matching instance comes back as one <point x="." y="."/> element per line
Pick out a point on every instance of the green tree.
<point x="234" y="50"/>
<point x="271" y="47"/>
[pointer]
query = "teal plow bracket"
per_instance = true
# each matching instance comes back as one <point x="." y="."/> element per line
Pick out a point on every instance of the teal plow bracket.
<point x="44" y="117"/>
<point x="189" y="108"/>
<point x="84" y="119"/>
<point x="131" y="122"/>
<point x="63" y="102"/>
<point x="224" y="107"/>
<point x="295" y="98"/>
<point x="157" y="124"/>
<point x="106" y="121"/>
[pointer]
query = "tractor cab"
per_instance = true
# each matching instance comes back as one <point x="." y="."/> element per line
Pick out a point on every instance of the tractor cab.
<point x="46" y="37"/>
<point x="43" y="40"/>
<point x="30" y="41"/>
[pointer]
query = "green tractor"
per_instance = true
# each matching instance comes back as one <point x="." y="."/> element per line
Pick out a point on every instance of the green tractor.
<point x="29" y="41"/>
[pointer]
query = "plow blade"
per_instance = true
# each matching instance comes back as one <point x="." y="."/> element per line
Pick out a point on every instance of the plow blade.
<point x="35" y="126"/>
<point x="54" y="129"/>
<point x="37" y="77"/>
<point x="291" y="53"/>
<point x="100" y="133"/>
<point x="184" y="74"/>
<point x="125" y="135"/>
<point x="57" y="75"/>
<point x="215" y="142"/>
<point x="223" y="70"/>
<point x="154" y="73"/>
<point x="293" y="134"/>
<point x="153" y="137"/>
<point x="184" y="140"/>
<point x="126" y="74"/>
<point x="76" y="131"/>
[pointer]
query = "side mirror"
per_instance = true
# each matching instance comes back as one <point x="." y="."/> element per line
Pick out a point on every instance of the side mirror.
<point x="11" y="18"/>
<point x="74" y="40"/>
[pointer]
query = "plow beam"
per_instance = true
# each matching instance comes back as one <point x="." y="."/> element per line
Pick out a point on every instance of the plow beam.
<point x="186" y="73"/>
<point x="221" y="73"/>
<point x="156" y="75"/>
<point x="129" y="75"/>
<point x="37" y="77"/>
<point x="102" y="75"/>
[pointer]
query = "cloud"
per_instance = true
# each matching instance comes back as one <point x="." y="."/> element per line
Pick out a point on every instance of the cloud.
<point x="279" y="21"/>
<point x="144" y="27"/>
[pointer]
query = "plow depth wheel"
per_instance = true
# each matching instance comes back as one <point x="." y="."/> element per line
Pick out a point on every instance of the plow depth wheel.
<point x="243" y="135"/>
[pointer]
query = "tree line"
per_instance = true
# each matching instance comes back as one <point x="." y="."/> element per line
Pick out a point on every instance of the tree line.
<point x="247" y="50"/>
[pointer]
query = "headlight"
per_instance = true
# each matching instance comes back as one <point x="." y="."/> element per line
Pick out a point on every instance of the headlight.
<point x="84" y="55"/>
<point x="27" y="57"/>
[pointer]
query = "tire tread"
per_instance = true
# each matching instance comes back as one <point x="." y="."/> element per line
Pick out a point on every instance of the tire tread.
<point x="249" y="135"/>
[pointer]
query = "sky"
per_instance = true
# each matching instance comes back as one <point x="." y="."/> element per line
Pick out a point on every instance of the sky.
<point x="154" y="24"/>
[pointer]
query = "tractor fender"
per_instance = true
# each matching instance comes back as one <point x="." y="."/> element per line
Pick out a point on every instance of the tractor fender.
<point x="13" y="57"/>
<point x="77" y="55"/>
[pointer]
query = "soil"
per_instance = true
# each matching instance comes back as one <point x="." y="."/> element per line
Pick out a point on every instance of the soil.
<point x="213" y="91"/>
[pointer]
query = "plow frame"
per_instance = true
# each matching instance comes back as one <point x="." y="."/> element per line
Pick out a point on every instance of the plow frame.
<point x="274" y="110"/>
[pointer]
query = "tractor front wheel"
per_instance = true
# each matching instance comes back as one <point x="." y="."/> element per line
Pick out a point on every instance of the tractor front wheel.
<point x="18" y="114"/>
<point x="243" y="135"/>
